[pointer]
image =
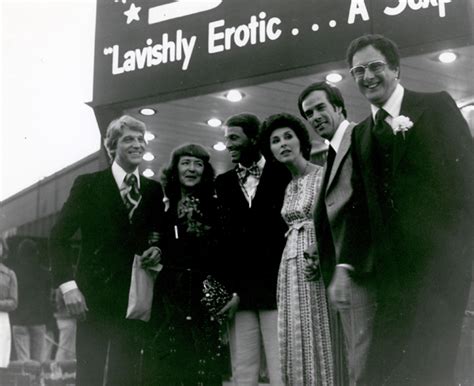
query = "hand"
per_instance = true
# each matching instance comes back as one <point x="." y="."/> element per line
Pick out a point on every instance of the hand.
<point x="339" y="288"/>
<point x="311" y="270"/>
<point x="75" y="303"/>
<point x="151" y="258"/>
<point x="311" y="252"/>
<point x="231" y="307"/>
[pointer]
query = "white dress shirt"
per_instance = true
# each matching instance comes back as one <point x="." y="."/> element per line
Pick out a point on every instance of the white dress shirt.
<point x="119" y="177"/>
<point x="392" y="106"/>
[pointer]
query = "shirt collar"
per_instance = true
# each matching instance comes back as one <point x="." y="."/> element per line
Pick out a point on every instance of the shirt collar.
<point x="337" y="137"/>
<point x="260" y="164"/>
<point x="393" y="104"/>
<point x="119" y="174"/>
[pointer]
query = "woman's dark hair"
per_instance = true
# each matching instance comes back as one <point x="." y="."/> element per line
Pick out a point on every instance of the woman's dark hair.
<point x="170" y="178"/>
<point x="281" y="120"/>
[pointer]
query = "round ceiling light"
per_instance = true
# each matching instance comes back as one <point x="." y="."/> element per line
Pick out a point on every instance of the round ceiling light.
<point x="214" y="122"/>
<point x="447" y="57"/>
<point x="147" y="111"/>
<point x="234" y="96"/>
<point x="219" y="146"/>
<point x="148" y="173"/>
<point x="149" y="136"/>
<point x="334" y="77"/>
<point x="148" y="156"/>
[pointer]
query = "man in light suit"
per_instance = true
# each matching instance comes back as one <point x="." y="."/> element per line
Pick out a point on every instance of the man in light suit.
<point x="117" y="212"/>
<point x="342" y="244"/>
<point x="414" y="156"/>
<point x="250" y="198"/>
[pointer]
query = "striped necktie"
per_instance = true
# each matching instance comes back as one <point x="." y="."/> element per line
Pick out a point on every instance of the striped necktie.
<point x="132" y="197"/>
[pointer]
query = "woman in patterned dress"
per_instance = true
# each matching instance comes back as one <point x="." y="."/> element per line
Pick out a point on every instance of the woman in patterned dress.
<point x="303" y="315"/>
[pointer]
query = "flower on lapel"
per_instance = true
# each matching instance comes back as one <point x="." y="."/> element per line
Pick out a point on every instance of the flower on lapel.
<point x="401" y="124"/>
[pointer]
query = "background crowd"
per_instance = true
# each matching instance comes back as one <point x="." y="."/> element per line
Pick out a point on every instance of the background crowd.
<point x="356" y="272"/>
<point x="38" y="327"/>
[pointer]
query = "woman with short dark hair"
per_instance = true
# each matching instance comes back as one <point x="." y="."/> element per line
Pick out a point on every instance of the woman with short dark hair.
<point x="186" y="345"/>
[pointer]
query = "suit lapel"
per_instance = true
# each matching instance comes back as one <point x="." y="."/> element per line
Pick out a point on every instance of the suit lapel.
<point x="237" y="189"/>
<point x="110" y="197"/>
<point x="261" y="184"/>
<point x="340" y="155"/>
<point x="411" y="108"/>
<point x="366" y="144"/>
<point x="144" y="190"/>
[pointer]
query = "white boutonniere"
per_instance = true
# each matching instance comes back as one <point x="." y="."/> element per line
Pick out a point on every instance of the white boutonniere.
<point x="401" y="124"/>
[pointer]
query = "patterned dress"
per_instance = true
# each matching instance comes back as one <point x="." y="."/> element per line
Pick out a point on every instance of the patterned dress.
<point x="303" y="316"/>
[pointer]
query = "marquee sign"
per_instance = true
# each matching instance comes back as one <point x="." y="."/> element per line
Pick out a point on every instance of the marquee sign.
<point x="154" y="47"/>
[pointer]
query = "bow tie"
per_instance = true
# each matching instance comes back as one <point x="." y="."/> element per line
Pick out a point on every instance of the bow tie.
<point x="244" y="172"/>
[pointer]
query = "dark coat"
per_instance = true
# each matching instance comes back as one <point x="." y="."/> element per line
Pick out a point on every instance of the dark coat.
<point x="186" y="343"/>
<point x="340" y="239"/>
<point x="421" y="228"/>
<point x="34" y="290"/>
<point x="109" y="240"/>
<point x="188" y="255"/>
<point x="252" y="239"/>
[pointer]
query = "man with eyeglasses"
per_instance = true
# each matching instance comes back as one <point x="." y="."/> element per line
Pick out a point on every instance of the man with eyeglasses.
<point x="414" y="158"/>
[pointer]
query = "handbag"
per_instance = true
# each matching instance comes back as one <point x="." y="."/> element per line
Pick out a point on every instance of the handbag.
<point x="140" y="296"/>
<point x="215" y="297"/>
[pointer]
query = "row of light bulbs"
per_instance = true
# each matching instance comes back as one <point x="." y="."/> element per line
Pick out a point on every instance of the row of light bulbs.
<point x="332" y="77"/>
<point x="231" y="96"/>
<point x="148" y="156"/>
<point x="236" y="96"/>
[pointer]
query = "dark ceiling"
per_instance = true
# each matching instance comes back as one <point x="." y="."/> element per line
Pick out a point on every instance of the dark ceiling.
<point x="184" y="120"/>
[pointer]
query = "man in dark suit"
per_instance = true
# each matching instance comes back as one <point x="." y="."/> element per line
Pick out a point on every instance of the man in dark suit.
<point x="414" y="156"/>
<point x="253" y="236"/>
<point x="342" y="244"/>
<point x="117" y="212"/>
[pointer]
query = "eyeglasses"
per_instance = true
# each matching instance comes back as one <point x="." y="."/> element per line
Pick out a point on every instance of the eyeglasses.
<point x="375" y="67"/>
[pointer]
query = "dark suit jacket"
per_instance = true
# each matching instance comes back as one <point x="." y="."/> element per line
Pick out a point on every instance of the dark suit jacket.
<point x="108" y="240"/>
<point x="432" y="185"/>
<point x="252" y="239"/>
<point x="340" y="239"/>
<point x="422" y="230"/>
